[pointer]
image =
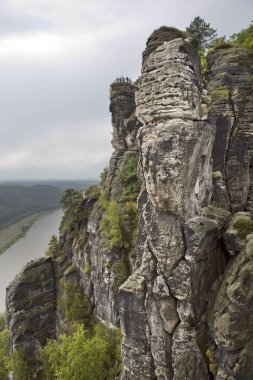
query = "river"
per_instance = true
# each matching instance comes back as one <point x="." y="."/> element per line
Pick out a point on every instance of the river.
<point x="31" y="246"/>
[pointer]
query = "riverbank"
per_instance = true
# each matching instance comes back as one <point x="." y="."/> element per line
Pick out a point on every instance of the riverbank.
<point x="11" y="234"/>
<point x="29" y="247"/>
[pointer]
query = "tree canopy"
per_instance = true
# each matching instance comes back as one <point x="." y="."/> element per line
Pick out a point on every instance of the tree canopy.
<point x="202" y="33"/>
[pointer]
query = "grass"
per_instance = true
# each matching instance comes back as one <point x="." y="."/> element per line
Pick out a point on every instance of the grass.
<point x="11" y="234"/>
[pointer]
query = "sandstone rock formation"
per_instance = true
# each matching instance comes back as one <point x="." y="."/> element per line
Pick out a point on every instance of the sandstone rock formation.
<point x="180" y="282"/>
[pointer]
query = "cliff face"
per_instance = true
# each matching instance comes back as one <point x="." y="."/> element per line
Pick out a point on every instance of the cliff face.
<point x="180" y="282"/>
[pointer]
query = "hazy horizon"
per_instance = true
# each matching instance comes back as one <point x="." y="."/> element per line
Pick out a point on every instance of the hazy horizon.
<point x="57" y="60"/>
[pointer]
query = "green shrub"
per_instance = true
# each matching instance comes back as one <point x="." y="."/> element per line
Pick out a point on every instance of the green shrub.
<point x="87" y="268"/>
<point x="212" y="365"/>
<point x="53" y="247"/>
<point x="244" y="225"/>
<point x="93" y="191"/>
<point x="80" y="357"/>
<point x="75" y="304"/>
<point x="220" y="93"/>
<point x="20" y="367"/>
<point x="118" y="224"/>
<point x="121" y="271"/>
<point x="4" y="348"/>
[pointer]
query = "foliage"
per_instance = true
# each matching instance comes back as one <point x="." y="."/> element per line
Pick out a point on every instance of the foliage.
<point x="19" y="365"/>
<point x="4" y="347"/>
<point x="53" y="247"/>
<point x="3" y="322"/>
<point x="73" y="214"/>
<point x="111" y="225"/>
<point x="202" y="33"/>
<point x="18" y="202"/>
<point x="118" y="224"/>
<point x="212" y="365"/>
<point x="93" y="191"/>
<point x="128" y="177"/>
<point x="80" y="357"/>
<point x="220" y="93"/>
<point x="87" y="268"/>
<point x="244" y="38"/>
<point x="75" y="303"/>
<point x="121" y="271"/>
<point x="103" y="176"/>
<point x="113" y="337"/>
<point x="243" y="224"/>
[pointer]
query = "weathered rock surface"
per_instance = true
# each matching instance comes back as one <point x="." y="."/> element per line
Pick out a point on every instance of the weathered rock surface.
<point x="175" y="143"/>
<point x="230" y="86"/>
<point x="229" y="318"/>
<point x="179" y="283"/>
<point x="30" y="305"/>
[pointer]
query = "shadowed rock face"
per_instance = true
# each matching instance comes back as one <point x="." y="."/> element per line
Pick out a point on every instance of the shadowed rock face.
<point x="30" y="304"/>
<point x="230" y="73"/>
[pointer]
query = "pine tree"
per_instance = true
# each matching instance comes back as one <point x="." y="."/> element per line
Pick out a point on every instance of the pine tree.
<point x="202" y="33"/>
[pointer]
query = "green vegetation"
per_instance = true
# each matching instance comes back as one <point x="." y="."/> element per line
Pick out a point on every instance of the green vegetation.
<point x="87" y="268"/>
<point x="83" y="357"/>
<point x="117" y="87"/>
<point x="202" y="33"/>
<point x="11" y="234"/>
<point x="53" y="248"/>
<point x="129" y="179"/>
<point x="75" y="304"/>
<point x="119" y="224"/>
<point x="4" y="348"/>
<point x="17" y="202"/>
<point x="119" y="221"/>
<point x="212" y="365"/>
<point x="121" y="271"/>
<point x="220" y="93"/>
<point x="19" y="365"/>
<point x="208" y="41"/>
<point x="243" y="224"/>
<point x="244" y="38"/>
<point x="73" y="214"/>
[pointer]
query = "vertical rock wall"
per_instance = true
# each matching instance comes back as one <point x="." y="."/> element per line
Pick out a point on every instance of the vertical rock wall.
<point x="230" y="73"/>
<point x="175" y="168"/>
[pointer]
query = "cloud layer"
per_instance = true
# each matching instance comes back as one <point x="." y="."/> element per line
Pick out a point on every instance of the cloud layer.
<point x="57" y="60"/>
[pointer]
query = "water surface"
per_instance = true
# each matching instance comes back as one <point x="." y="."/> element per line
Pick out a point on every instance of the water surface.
<point x="31" y="246"/>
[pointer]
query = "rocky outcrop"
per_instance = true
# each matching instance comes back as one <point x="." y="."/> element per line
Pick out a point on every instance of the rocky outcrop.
<point x="179" y="283"/>
<point x="230" y="73"/>
<point x="175" y="168"/>
<point x="102" y="265"/>
<point x="232" y="303"/>
<point x="30" y="304"/>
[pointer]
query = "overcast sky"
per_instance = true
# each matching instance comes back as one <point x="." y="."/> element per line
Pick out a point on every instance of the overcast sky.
<point x="57" y="60"/>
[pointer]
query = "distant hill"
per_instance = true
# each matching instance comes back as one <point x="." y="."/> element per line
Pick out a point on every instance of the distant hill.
<point x="18" y="201"/>
<point x="62" y="184"/>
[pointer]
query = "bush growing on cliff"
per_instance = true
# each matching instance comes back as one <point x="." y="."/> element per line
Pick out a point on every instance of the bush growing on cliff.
<point x="202" y="33"/>
<point x="80" y="357"/>
<point x="71" y="203"/>
<point x="53" y="247"/>
<point x="129" y="179"/>
<point x="244" y="38"/>
<point x="4" y="347"/>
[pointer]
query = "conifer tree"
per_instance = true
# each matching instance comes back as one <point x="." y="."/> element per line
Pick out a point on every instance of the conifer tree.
<point x="202" y="33"/>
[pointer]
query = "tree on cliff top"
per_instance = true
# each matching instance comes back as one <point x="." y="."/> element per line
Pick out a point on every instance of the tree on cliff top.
<point x="202" y="33"/>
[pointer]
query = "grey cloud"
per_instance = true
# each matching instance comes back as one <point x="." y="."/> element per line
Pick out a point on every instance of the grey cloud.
<point x="12" y="21"/>
<point x="54" y="110"/>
